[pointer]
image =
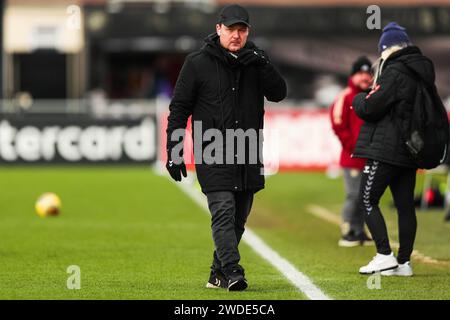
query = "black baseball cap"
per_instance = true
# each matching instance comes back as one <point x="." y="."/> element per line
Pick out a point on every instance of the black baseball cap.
<point x="233" y="14"/>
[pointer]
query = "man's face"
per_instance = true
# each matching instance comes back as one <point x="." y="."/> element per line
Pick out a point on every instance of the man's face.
<point x="234" y="37"/>
<point x="362" y="80"/>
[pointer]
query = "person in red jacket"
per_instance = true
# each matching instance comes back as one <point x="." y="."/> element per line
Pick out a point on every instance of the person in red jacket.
<point x="346" y="125"/>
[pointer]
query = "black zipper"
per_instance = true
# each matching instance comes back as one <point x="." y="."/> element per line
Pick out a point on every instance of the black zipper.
<point x="372" y="134"/>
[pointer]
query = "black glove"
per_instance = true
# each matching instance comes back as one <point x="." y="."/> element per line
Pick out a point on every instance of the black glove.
<point x="175" y="170"/>
<point x="253" y="56"/>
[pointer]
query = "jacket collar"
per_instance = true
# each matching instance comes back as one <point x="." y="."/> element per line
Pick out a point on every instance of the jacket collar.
<point x="352" y="86"/>
<point x="213" y="47"/>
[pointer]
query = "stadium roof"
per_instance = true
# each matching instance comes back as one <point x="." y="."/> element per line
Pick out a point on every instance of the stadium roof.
<point x="338" y="2"/>
<point x="258" y="2"/>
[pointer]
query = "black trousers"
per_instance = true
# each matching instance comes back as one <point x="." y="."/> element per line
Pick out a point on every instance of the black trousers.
<point x="377" y="176"/>
<point x="229" y="212"/>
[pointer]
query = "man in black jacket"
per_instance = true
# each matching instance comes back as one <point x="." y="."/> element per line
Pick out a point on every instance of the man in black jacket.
<point x="222" y="86"/>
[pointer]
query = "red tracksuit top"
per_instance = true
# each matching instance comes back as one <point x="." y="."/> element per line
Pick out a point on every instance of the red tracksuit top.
<point x="346" y="125"/>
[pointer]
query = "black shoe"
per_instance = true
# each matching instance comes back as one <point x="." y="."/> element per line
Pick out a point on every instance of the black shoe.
<point x="365" y="239"/>
<point x="447" y="217"/>
<point x="236" y="278"/>
<point x="349" y="240"/>
<point x="217" y="279"/>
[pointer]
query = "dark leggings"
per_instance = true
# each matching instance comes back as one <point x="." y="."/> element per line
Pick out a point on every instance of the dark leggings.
<point x="377" y="176"/>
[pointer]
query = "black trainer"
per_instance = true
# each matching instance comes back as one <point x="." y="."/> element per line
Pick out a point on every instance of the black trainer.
<point x="236" y="278"/>
<point x="349" y="240"/>
<point x="447" y="217"/>
<point x="217" y="280"/>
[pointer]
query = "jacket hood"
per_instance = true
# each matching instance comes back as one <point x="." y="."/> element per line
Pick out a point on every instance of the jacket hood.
<point x="213" y="47"/>
<point x="414" y="60"/>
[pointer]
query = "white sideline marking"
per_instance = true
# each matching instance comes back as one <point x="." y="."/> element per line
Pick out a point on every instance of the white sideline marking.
<point x="298" y="279"/>
<point x="329" y="216"/>
<point x="324" y="214"/>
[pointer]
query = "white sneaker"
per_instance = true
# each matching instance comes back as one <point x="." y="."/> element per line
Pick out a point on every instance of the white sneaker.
<point x="380" y="262"/>
<point x="403" y="270"/>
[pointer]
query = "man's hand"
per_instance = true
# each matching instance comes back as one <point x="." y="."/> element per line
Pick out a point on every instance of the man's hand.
<point x="253" y="56"/>
<point x="176" y="170"/>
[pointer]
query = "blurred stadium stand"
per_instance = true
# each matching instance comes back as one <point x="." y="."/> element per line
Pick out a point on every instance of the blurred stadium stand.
<point x="113" y="58"/>
<point x="134" y="49"/>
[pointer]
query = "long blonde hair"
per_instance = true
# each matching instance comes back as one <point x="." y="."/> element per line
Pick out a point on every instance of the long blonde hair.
<point x="379" y="63"/>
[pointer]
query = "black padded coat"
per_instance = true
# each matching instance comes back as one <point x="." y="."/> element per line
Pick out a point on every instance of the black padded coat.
<point x="223" y="94"/>
<point x="387" y="109"/>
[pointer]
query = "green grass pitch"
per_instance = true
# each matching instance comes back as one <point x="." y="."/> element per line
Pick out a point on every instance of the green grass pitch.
<point x="135" y="235"/>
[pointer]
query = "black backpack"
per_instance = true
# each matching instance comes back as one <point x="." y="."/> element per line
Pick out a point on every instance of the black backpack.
<point x="428" y="138"/>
